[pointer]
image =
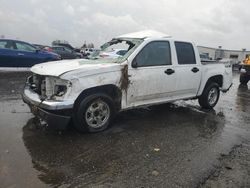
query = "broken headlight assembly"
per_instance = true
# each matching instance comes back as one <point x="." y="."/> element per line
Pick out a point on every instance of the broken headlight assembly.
<point x="60" y="90"/>
<point x="56" y="88"/>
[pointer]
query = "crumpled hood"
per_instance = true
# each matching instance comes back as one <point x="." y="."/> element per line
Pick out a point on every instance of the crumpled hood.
<point x="57" y="68"/>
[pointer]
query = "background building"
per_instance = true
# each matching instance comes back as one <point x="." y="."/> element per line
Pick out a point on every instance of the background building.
<point x="220" y="53"/>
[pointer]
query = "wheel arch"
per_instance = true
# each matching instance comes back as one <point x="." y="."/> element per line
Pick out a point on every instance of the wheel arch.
<point x="216" y="79"/>
<point x="111" y="90"/>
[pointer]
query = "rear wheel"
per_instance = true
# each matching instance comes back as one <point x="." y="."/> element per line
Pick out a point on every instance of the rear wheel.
<point x="210" y="96"/>
<point x="94" y="113"/>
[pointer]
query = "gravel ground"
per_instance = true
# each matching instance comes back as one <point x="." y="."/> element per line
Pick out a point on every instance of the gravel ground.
<point x="234" y="169"/>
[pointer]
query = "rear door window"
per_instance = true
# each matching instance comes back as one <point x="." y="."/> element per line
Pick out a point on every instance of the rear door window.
<point x="185" y="53"/>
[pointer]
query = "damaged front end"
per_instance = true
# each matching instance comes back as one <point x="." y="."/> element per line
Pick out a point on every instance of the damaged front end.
<point x="45" y="97"/>
<point x="48" y="87"/>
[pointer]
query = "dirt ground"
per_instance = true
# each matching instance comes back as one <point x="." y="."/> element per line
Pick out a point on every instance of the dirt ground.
<point x="172" y="145"/>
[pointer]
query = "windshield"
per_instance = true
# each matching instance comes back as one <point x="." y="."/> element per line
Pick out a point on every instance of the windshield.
<point x="118" y="49"/>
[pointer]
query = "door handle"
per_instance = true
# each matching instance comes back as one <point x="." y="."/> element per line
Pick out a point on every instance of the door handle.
<point x="20" y="54"/>
<point x="169" y="71"/>
<point x="195" y="69"/>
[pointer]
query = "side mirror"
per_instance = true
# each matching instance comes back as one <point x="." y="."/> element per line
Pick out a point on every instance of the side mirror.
<point x="134" y="63"/>
<point x="37" y="50"/>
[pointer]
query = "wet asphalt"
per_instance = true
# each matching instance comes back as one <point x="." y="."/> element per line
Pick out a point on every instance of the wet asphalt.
<point x="171" y="145"/>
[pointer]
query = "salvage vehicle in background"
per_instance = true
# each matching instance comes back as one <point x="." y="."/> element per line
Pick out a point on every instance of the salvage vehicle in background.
<point x="113" y="53"/>
<point x="245" y="71"/>
<point x="65" y="52"/>
<point x="87" y="51"/>
<point x="205" y="57"/>
<point x="156" y="69"/>
<point x="94" y="55"/>
<point x="65" y="44"/>
<point x="14" y="53"/>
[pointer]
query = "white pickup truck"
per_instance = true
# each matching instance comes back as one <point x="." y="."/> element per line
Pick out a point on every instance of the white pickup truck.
<point x="156" y="69"/>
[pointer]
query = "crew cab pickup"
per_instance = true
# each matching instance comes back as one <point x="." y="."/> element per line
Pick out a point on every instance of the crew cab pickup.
<point x="156" y="69"/>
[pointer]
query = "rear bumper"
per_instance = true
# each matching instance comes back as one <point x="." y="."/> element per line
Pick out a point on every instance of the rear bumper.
<point x="56" y="114"/>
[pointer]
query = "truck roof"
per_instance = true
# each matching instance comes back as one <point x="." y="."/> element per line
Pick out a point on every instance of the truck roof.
<point x="145" y="34"/>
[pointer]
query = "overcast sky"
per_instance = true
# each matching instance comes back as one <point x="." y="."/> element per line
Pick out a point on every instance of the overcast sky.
<point x="206" y="22"/>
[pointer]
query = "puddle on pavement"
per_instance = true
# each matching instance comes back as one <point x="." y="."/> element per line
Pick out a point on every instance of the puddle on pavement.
<point x="71" y="157"/>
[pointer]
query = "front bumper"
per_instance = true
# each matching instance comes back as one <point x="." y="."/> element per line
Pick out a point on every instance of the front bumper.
<point x="56" y="114"/>
<point x="33" y="98"/>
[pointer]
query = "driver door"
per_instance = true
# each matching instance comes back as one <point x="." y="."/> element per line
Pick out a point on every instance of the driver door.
<point x="152" y="75"/>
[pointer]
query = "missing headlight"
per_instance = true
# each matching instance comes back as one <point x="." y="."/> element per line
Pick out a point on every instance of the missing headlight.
<point x="60" y="90"/>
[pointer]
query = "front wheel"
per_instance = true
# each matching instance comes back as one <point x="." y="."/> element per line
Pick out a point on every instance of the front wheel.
<point x="210" y="96"/>
<point x="94" y="113"/>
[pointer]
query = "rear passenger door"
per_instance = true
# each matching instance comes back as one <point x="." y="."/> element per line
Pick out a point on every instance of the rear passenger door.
<point x="187" y="70"/>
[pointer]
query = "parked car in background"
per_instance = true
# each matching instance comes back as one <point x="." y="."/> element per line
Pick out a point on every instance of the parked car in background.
<point x="47" y="48"/>
<point x="38" y="46"/>
<point x="87" y="51"/>
<point x="66" y="53"/>
<point x="42" y="47"/>
<point x="94" y="55"/>
<point x="65" y="44"/>
<point x="14" y="53"/>
<point x="114" y="53"/>
<point x="205" y="57"/>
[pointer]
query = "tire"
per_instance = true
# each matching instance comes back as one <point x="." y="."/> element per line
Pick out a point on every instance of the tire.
<point x="244" y="79"/>
<point x="210" y="96"/>
<point x="94" y="113"/>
